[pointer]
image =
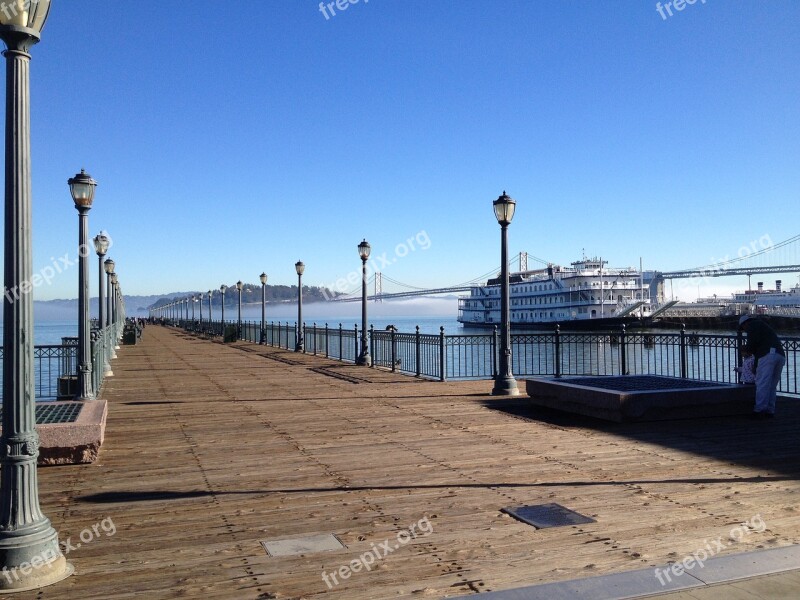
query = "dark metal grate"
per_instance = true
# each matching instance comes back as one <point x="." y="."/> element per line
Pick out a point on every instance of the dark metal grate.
<point x="542" y="516"/>
<point x="640" y="383"/>
<point x="61" y="412"/>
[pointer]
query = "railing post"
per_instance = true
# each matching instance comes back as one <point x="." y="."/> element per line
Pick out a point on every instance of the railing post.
<point x="372" y="344"/>
<point x="356" y="353"/>
<point x="304" y="330"/>
<point x="442" y="366"/>
<point x="684" y="369"/>
<point x="739" y="345"/>
<point x="623" y="359"/>
<point x="394" y="349"/>
<point x="92" y="347"/>
<point x="558" y="350"/>
<point x="314" y="334"/>
<point x="494" y="351"/>
<point x="327" y="354"/>
<point x="341" y="356"/>
<point x="419" y="353"/>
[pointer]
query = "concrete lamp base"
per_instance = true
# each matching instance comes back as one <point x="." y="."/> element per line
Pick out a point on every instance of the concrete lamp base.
<point x="34" y="574"/>
<point x="505" y="387"/>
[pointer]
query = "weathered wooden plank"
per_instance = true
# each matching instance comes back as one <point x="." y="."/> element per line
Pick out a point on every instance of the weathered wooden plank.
<point x="212" y="448"/>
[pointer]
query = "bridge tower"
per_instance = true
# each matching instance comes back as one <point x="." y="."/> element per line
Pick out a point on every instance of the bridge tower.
<point x="378" y="286"/>
<point x="523" y="261"/>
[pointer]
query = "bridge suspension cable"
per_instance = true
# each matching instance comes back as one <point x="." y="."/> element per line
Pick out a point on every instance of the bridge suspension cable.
<point x="750" y="255"/>
<point x="744" y="264"/>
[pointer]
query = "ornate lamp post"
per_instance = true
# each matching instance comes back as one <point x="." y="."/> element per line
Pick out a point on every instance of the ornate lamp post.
<point x="114" y="312"/>
<point x="210" y="315"/>
<point x="82" y="188"/>
<point x="263" y="278"/>
<point x="108" y="266"/>
<point x="300" y="268"/>
<point x="363" y="252"/>
<point x="25" y="533"/>
<point x="239" y="287"/>
<point x="118" y="313"/>
<point x="193" y="300"/>
<point x="222" y="289"/>
<point x="199" y="299"/>
<point x="101" y="243"/>
<point x="504" y="383"/>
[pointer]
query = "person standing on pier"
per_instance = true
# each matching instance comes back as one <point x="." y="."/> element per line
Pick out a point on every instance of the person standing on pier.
<point x="764" y="344"/>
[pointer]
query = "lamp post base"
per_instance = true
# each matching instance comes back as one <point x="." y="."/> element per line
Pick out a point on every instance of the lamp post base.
<point x="38" y="571"/>
<point x="505" y="386"/>
<point x="364" y="360"/>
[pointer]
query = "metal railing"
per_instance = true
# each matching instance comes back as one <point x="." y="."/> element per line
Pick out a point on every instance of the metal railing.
<point x="701" y="356"/>
<point x="55" y="366"/>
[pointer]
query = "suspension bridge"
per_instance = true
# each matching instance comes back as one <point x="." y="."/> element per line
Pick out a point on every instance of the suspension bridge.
<point x="783" y="257"/>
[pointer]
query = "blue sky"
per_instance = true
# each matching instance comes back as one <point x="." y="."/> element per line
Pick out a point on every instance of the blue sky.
<point x="231" y="142"/>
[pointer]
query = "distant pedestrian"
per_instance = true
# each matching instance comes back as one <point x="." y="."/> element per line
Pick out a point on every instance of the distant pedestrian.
<point x="766" y="347"/>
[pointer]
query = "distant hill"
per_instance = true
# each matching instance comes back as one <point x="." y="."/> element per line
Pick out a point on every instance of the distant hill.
<point x="251" y="294"/>
<point x="136" y="306"/>
<point x="139" y="306"/>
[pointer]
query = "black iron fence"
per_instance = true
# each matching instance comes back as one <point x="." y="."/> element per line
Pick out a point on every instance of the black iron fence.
<point x="706" y="357"/>
<point x="55" y="366"/>
<point x="48" y="364"/>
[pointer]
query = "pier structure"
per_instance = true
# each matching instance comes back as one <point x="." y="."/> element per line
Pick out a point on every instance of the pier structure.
<point x="246" y="471"/>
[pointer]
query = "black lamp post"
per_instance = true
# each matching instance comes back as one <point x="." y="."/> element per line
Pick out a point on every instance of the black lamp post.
<point x="114" y="312"/>
<point x="101" y="243"/>
<point x="363" y="252"/>
<point x="82" y="188"/>
<point x="239" y="287"/>
<point x="210" y="315"/>
<point x="300" y="267"/>
<point x="108" y="266"/>
<point x="199" y="298"/>
<point x="504" y="383"/>
<point x="263" y="278"/>
<point x="118" y="303"/>
<point x="25" y="533"/>
<point x="222" y="289"/>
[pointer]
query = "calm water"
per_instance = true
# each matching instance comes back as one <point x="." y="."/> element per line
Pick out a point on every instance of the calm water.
<point x="405" y="324"/>
<point x="51" y="332"/>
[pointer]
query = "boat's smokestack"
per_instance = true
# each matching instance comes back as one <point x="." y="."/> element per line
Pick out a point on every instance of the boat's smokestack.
<point x="760" y="286"/>
<point x="777" y="285"/>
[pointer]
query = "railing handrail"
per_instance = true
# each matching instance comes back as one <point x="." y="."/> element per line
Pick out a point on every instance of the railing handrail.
<point x="612" y="351"/>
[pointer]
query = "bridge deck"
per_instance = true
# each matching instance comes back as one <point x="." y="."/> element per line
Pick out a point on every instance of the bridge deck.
<point x="211" y="449"/>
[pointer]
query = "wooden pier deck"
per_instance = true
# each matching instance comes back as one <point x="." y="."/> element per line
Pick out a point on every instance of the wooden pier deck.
<point x="211" y="449"/>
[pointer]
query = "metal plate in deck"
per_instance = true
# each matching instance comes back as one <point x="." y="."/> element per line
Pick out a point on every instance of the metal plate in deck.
<point x="57" y="412"/>
<point x="543" y="516"/>
<point x="640" y="383"/>
<point x="308" y="544"/>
